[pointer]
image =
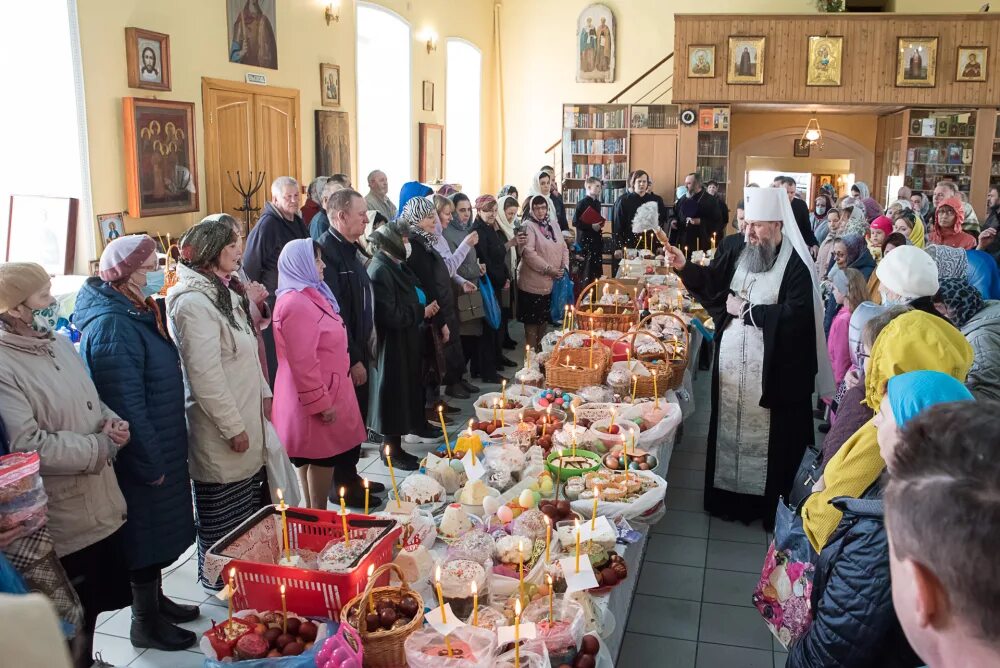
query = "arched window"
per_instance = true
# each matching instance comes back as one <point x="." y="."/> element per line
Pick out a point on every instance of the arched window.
<point x="384" y="97"/>
<point x="463" y="96"/>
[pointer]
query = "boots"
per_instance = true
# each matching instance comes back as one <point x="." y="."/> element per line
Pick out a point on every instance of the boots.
<point x="149" y="628"/>
<point x="172" y="611"/>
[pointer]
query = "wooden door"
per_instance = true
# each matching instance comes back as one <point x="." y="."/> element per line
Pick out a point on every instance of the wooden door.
<point x="277" y="136"/>
<point x="229" y="140"/>
<point x="248" y="129"/>
<point x="655" y="151"/>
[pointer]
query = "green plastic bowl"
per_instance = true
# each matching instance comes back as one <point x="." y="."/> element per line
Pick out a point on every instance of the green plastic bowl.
<point x="566" y="474"/>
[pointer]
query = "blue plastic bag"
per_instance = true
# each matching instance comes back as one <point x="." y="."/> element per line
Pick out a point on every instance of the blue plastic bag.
<point x="491" y="307"/>
<point x="562" y="296"/>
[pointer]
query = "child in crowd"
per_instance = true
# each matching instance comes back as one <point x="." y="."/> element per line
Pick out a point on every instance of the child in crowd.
<point x="589" y="220"/>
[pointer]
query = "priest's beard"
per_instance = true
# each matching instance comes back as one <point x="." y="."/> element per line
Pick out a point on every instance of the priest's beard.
<point x="758" y="258"/>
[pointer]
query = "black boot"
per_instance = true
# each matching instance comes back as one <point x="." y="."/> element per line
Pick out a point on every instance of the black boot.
<point x="174" y="612"/>
<point x="149" y="628"/>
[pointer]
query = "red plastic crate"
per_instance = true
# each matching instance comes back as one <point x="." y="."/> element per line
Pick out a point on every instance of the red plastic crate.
<point x="307" y="592"/>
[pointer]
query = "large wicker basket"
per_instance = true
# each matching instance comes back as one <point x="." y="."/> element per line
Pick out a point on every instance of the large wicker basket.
<point x="645" y="385"/>
<point x="617" y="317"/>
<point x="573" y="368"/>
<point x="384" y="649"/>
<point x="678" y="364"/>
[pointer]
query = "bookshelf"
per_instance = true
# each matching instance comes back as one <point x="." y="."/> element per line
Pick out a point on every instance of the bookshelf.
<point x="595" y="143"/>
<point x="712" y="158"/>
<point x="940" y="145"/>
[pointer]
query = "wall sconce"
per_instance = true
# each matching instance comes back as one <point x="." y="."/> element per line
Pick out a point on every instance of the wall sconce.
<point x="431" y="38"/>
<point x="333" y="12"/>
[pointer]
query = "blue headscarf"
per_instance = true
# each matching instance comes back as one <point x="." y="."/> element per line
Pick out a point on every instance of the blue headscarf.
<point x="984" y="274"/>
<point x="912" y="393"/>
<point x="410" y="190"/>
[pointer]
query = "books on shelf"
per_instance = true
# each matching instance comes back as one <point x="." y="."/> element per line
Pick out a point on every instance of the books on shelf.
<point x="574" y="117"/>
<point x="598" y="146"/>
<point x="608" y="196"/>
<point x="606" y="170"/>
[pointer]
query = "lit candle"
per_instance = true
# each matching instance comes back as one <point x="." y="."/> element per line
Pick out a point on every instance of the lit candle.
<point x="686" y="254"/>
<point x="475" y="604"/>
<point x="713" y="240"/>
<point x="577" y="524"/>
<point x="232" y="591"/>
<point x="574" y="443"/>
<point x="574" y="419"/>
<point x="284" y="611"/>
<point x="635" y="384"/>
<point x="496" y="402"/>
<point x="572" y="316"/>
<point x="548" y="538"/>
<point x="437" y="584"/>
<point x="366" y="495"/>
<point x="613" y="412"/>
<point x="593" y="342"/>
<point x="444" y="429"/>
<point x="392" y="476"/>
<point x="503" y="394"/>
<point x="517" y="633"/>
<point x="567" y="362"/>
<point x="371" y="597"/>
<point x="548" y="416"/>
<point x="472" y="447"/>
<point x="527" y="355"/>
<point x="656" y="393"/>
<point x="551" y="599"/>
<point x="343" y="517"/>
<point x="593" y="518"/>
<point x="284" y="525"/>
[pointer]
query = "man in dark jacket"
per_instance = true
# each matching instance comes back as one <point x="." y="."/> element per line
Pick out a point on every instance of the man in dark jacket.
<point x="279" y="224"/>
<point x="698" y="215"/>
<point x="801" y="211"/>
<point x="854" y="621"/>
<point x="347" y="276"/>
<point x="713" y="189"/>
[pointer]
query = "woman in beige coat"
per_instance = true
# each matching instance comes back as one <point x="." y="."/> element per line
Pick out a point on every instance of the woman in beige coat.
<point x="227" y="396"/>
<point x="50" y="406"/>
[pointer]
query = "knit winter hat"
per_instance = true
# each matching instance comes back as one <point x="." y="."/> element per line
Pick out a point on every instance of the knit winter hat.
<point x="909" y="272"/>
<point x="18" y="281"/>
<point x="883" y="223"/>
<point x="124" y="255"/>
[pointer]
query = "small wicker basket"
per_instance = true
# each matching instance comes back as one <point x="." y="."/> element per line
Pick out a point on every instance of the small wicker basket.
<point x="677" y="364"/>
<point x="573" y="368"/>
<point x="645" y="385"/>
<point x="384" y="649"/>
<point x="617" y="317"/>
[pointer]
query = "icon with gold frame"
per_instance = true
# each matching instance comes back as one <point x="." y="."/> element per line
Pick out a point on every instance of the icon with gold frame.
<point x="825" y="64"/>
<point x="746" y="60"/>
<point x="916" y="62"/>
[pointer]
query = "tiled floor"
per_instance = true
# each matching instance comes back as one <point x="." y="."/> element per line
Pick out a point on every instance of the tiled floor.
<point x="691" y="610"/>
<point x="692" y="607"/>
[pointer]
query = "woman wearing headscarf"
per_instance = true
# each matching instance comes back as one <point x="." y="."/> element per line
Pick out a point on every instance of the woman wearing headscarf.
<point x="835" y="219"/>
<point x="979" y="322"/>
<point x="556" y="199"/>
<point x="921" y="205"/>
<point x="545" y="257"/>
<point x="471" y="325"/>
<point x="914" y="341"/>
<point x="863" y="194"/>
<point x="492" y="252"/>
<point x="403" y="312"/>
<point x="542" y="184"/>
<point x="508" y="191"/>
<point x="410" y="190"/>
<point x="821" y="208"/>
<point x="227" y="398"/>
<point x="910" y="226"/>
<point x="947" y="227"/>
<point x="50" y="405"/>
<point x="136" y="369"/>
<point x="510" y="225"/>
<point x="849" y="251"/>
<point x="315" y="410"/>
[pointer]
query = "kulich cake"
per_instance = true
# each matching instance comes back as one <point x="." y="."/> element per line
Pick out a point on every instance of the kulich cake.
<point x="454" y="522"/>
<point x="477" y="546"/>
<point x="340" y="557"/>
<point x="416" y="563"/>
<point x="457" y="577"/>
<point x="420" y="489"/>
<point x="531" y="524"/>
<point x="530" y="376"/>
<point x="489" y="618"/>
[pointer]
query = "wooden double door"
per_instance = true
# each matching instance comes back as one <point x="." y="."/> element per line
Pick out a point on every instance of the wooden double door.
<point x="249" y="129"/>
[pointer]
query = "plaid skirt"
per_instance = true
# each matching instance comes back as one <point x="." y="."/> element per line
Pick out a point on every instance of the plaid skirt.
<point x="34" y="557"/>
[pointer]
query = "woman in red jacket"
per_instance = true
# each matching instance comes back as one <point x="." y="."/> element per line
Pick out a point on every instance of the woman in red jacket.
<point x="315" y="409"/>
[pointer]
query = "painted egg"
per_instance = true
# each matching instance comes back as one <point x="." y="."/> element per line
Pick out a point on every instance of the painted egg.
<point x="505" y="514"/>
<point x="543" y="402"/>
<point x="537" y="495"/>
<point x="456" y="465"/>
<point x="491" y="504"/>
<point x="559" y="401"/>
<point x="566" y="397"/>
<point x="651" y="460"/>
<point x="526" y="499"/>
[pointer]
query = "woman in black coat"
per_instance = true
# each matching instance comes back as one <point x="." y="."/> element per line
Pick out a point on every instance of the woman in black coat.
<point x="396" y="391"/>
<point x="492" y="252"/>
<point x="626" y="208"/>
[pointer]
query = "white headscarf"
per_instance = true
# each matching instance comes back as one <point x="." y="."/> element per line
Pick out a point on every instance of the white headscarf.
<point x="536" y="189"/>
<point x="825" y="386"/>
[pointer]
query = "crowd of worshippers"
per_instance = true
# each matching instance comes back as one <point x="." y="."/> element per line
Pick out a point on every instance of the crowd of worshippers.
<point x="353" y="318"/>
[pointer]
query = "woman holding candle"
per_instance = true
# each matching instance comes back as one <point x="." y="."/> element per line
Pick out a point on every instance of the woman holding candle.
<point x="545" y="257"/>
<point x="136" y="369"/>
<point x="227" y="397"/>
<point x="403" y="314"/>
<point x="316" y="411"/>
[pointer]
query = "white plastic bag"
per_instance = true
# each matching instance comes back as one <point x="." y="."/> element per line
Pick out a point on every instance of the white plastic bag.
<point x="280" y="472"/>
<point x="662" y="433"/>
<point x="648" y="508"/>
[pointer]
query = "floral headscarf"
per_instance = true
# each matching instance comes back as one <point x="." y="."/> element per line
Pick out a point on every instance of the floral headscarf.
<point x="200" y="248"/>
<point x="962" y="300"/>
<point x="857" y="223"/>
<point x="855" y="244"/>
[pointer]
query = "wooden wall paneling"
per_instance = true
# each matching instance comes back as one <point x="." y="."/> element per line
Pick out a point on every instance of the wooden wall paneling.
<point x="982" y="157"/>
<point x="869" y="73"/>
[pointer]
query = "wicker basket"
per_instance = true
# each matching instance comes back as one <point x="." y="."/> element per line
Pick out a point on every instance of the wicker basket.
<point x="677" y="364"/>
<point x="581" y="371"/>
<point x="616" y="317"/>
<point x="384" y="649"/>
<point x="644" y="385"/>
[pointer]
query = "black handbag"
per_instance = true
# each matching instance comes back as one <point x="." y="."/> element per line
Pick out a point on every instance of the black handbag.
<point x="810" y="470"/>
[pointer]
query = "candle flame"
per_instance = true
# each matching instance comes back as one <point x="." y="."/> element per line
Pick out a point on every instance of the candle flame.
<point x="281" y="497"/>
<point x="576" y="523"/>
<point x="517" y="608"/>
<point x="475" y="587"/>
<point x="371" y="569"/>
<point x="341" y="493"/>
<point x="282" y="590"/>
<point x="440" y="409"/>
<point x="549" y="578"/>
<point x="365" y="482"/>
<point x="387" y="451"/>
<point x="232" y="572"/>
<point x="437" y="574"/>
<point x="548" y="521"/>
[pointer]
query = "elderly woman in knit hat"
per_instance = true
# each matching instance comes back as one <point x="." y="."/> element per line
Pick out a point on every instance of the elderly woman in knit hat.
<point x="136" y="369"/>
<point x="50" y="406"/>
<point x="227" y="398"/>
<point x="403" y="313"/>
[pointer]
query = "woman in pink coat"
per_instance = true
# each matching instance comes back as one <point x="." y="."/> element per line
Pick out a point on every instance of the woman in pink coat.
<point x="315" y="408"/>
<point x="849" y="290"/>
